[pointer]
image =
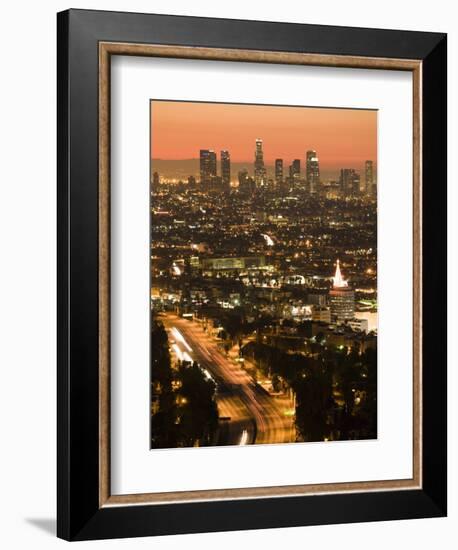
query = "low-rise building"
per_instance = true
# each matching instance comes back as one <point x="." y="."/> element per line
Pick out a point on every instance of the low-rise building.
<point x="359" y="325"/>
<point x="321" y="314"/>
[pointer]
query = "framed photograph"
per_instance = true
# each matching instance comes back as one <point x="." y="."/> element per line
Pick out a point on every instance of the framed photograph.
<point x="252" y="274"/>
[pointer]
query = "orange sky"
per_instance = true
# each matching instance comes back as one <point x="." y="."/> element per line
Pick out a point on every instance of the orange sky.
<point x="341" y="137"/>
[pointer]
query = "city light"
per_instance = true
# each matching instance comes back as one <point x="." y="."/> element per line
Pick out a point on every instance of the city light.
<point x="178" y="352"/>
<point x="268" y="240"/>
<point x="178" y="336"/>
<point x="244" y="438"/>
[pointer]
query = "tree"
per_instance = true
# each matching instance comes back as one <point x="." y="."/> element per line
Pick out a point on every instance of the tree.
<point x="163" y="421"/>
<point x="368" y="410"/>
<point x="233" y="327"/>
<point x="314" y="404"/>
<point x="198" y="412"/>
<point x="357" y="372"/>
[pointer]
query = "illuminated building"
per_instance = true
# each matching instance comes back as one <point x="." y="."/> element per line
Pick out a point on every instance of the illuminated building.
<point x="278" y="171"/>
<point x="321" y="314"/>
<point x="232" y="263"/>
<point x="349" y="182"/>
<point x="359" y="325"/>
<point x="295" y="170"/>
<point x="243" y="176"/>
<point x="246" y="183"/>
<point x="370" y="183"/>
<point x="374" y="189"/>
<point x="312" y="172"/>
<point x="271" y="185"/>
<point x="155" y="182"/>
<point x="207" y="166"/>
<point x="225" y="168"/>
<point x="316" y="299"/>
<point x="215" y="183"/>
<point x="259" y="167"/>
<point x="341" y="298"/>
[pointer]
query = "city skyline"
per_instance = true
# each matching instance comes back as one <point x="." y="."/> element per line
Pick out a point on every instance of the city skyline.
<point x="343" y="137"/>
<point x="211" y="174"/>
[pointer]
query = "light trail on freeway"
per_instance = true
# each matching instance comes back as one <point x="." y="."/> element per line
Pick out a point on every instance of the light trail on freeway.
<point x="255" y="416"/>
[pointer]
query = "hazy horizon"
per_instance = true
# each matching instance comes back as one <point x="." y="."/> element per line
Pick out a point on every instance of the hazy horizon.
<point x="342" y="138"/>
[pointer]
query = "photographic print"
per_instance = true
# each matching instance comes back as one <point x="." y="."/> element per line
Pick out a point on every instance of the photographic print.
<point x="269" y="167"/>
<point x="263" y="274"/>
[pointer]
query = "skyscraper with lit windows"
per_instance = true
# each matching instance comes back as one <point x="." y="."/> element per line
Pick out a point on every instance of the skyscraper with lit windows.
<point x="349" y="182"/>
<point x="278" y="171"/>
<point x="156" y="181"/>
<point x="369" y="179"/>
<point x="295" y="170"/>
<point x="312" y="172"/>
<point x="225" y="168"/>
<point x="207" y="166"/>
<point x="260" y="176"/>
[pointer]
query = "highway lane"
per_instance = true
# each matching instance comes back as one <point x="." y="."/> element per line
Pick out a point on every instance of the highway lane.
<point x="256" y="416"/>
<point x="232" y="431"/>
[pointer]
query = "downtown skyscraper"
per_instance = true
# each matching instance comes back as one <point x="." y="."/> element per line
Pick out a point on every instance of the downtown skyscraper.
<point x="207" y="166"/>
<point x="295" y="170"/>
<point x="260" y="174"/>
<point x="225" y="168"/>
<point x="369" y="177"/>
<point x="349" y="182"/>
<point x="278" y="171"/>
<point x="312" y="172"/>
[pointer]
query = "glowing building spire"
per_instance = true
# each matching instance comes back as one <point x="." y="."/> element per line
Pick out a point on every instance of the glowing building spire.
<point x="339" y="281"/>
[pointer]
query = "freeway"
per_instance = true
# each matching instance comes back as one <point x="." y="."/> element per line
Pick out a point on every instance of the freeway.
<point x="255" y="416"/>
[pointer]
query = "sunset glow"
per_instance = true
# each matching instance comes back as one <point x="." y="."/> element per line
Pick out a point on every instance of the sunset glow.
<point x="342" y="137"/>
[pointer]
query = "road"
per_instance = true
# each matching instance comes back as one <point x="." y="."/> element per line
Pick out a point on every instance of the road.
<point x="255" y="416"/>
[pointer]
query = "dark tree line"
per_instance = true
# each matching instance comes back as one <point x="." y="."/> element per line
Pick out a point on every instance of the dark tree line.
<point x="183" y="408"/>
<point x="235" y="326"/>
<point x="336" y="389"/>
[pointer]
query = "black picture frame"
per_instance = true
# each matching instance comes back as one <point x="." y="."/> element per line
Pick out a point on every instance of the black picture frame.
<point x="79" y="515"/>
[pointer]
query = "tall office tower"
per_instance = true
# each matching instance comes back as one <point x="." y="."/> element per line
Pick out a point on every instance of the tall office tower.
<point x="243" y="176"/>
<point x="356" y="184"/>
<point x="295" y="170"/>
<point x="259" y="167"/>
<point x="369" y="180"/>
<point x="225" y="168"/>
<point x="278" y="171"/>
<point x="374" y="189"/>
<point x="246" y="184"/>
<point x="341" y="298"/>
<point x="312" y="172"/>
<point x="349" y="182"/>
<point x="207" y="166"/>
<point x="156" y="181"/>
